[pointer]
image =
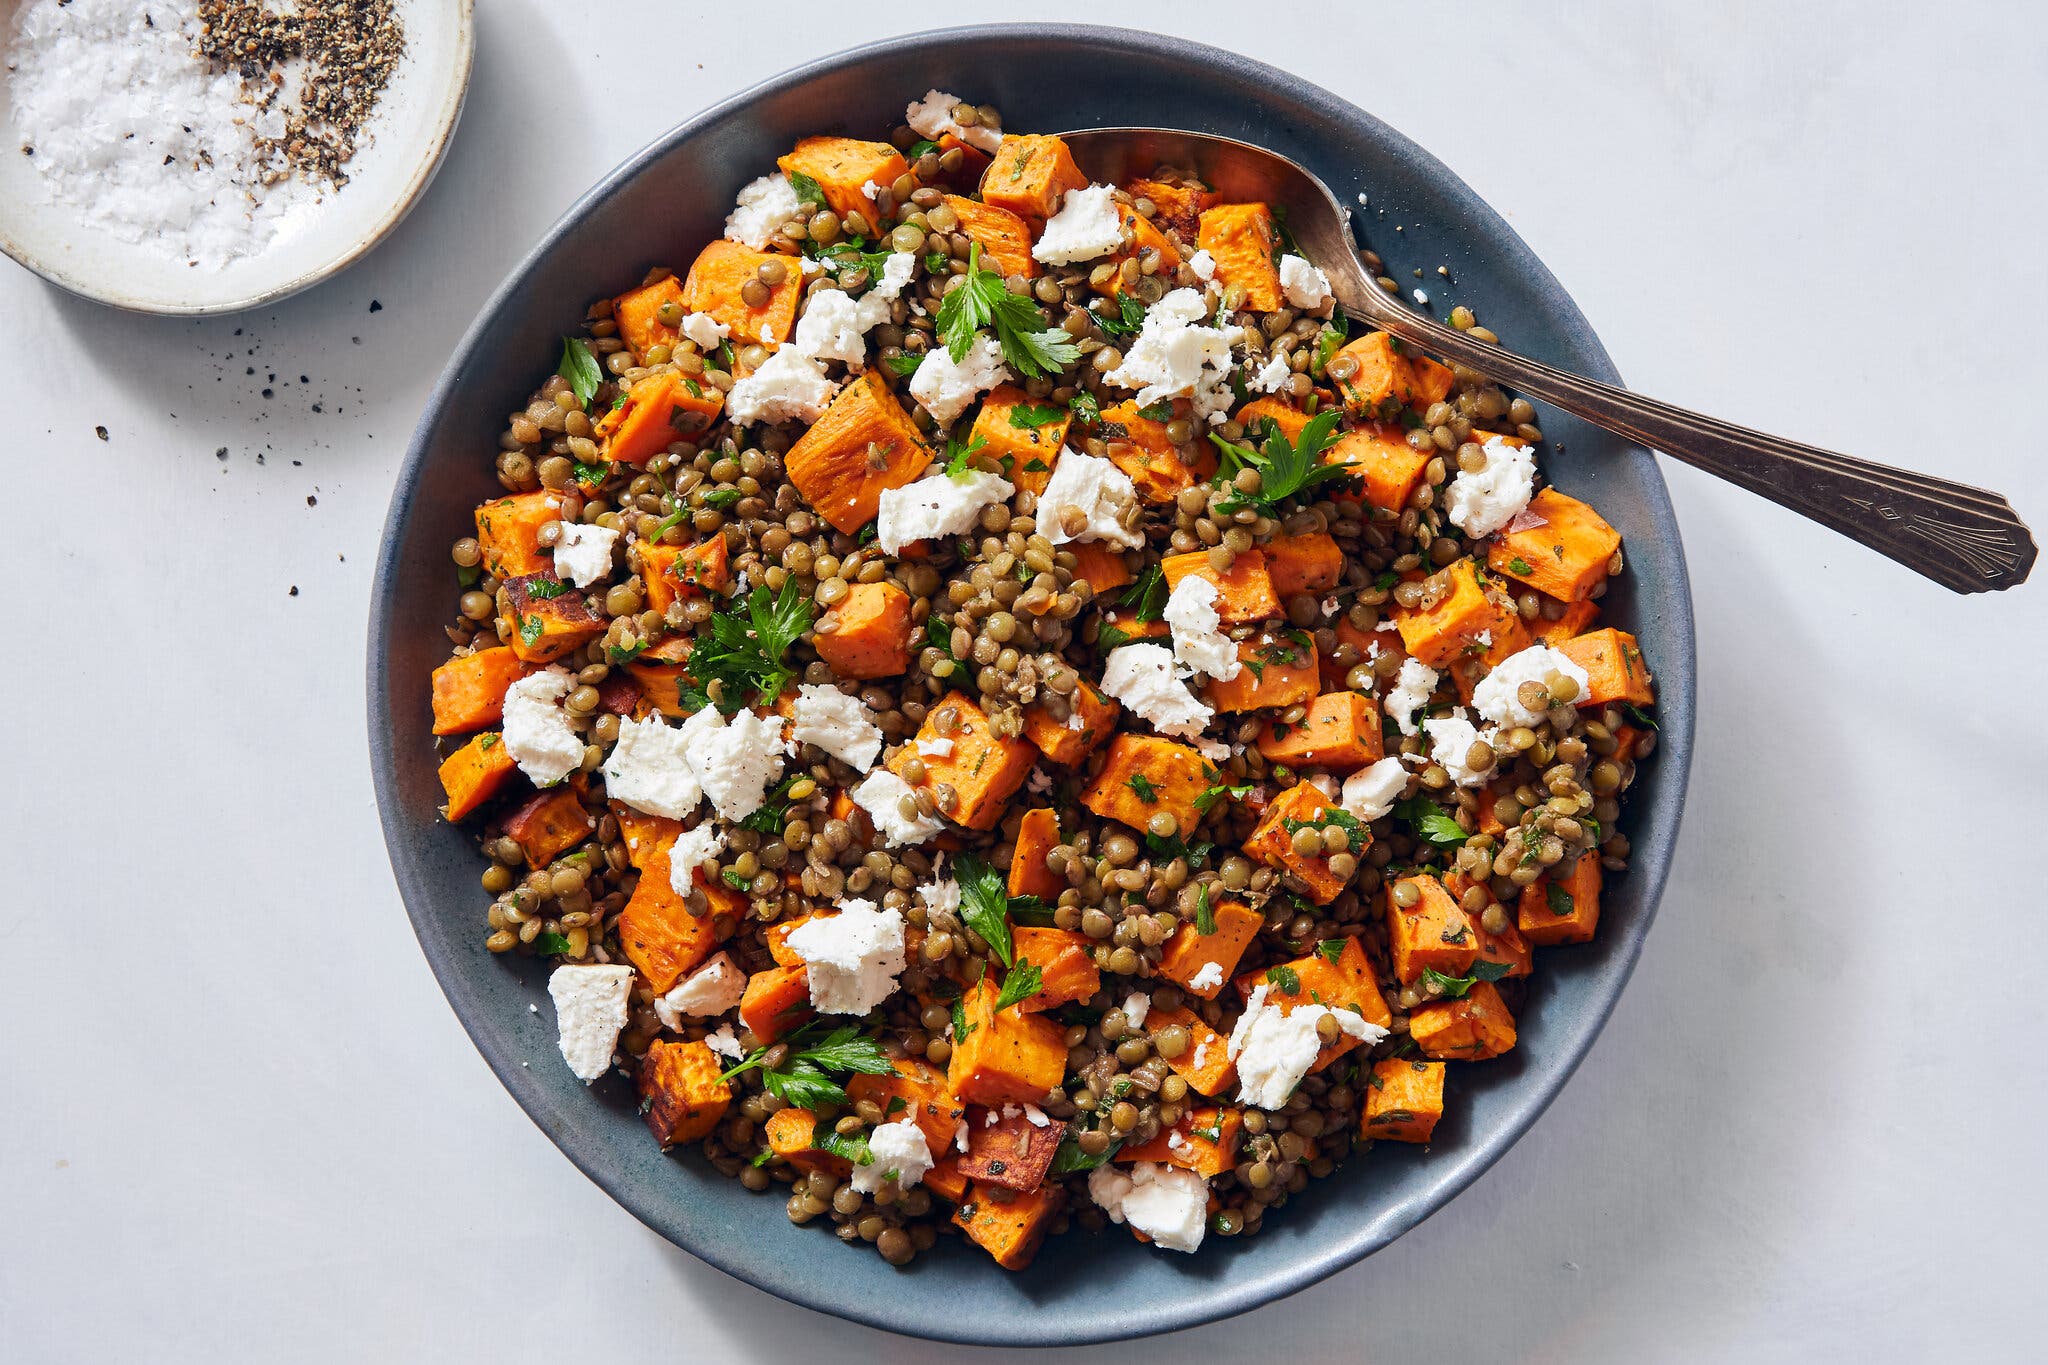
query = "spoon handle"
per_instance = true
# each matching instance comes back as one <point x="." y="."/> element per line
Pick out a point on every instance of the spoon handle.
<point x="1966" y="539"/>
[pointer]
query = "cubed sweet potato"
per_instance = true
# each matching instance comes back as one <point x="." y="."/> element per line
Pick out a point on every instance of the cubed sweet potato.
<point x="873" y="636"/>
<point x="661" y="687"/>
<point x="1562" y="908"/>
<point x="1403" y="1100"/>
<point x="1011" y="1057"/>
<point x="1029" y="174"/>
<point x="834" y="464"/>
<point x="1390" y="469"/>
<point x="777" y="935"/>
<point x="1067" y="970"/>
<point x="549" y="618"/>
<point x="776" y="1001"/>
<point x="1341" y="732"/>
<point x="1200" y="963"/>
<point x="1025" y="436"/>
<point x="1471" y="1028"/>
<point x="715" y="284"/>
<point x="1246" y="247"/>
<point x="1205" y="1062"/>
<point x="1505" y="949"/>
<point x="1309" y="563"/>
<point x="843" y="166"/>
<point x="660" y="409"/>
<point x="1101" y="566"/>
<point x="1065" y="742"/>
<point x="684" y="1096"/>
<point x="1576" y="619"/>
<point x="474" y="774"/>
<point x="789" y="1133"/>
<point x="1302" y="806"/>
<point x="1382" y="381"/>
<point x="1431" y="381"/>
<point x="1614" y="666"/>
<point x="983" y="771"/>
<point x="1483" y="654"/>
<point x="1204" y="1141"/>
<point x="1473" y="606"/>
<point x="1009" y="1230"/>
<point x="1177" y="206"/>
<point x="1005" y="238"/>
<point x="1037" y="832"/>
<point x="658" y="931"/>
<point x="1144" y="775"/>
<point x="1339" y="977"/>
<point x="1140" y="447"/>
<point x="643" y="835"/>
<point x="1256" y="415"/>
<point x="1008" y="1149"/>
<point x="469" y="691"/>
<point x="508" y="532"/>
<point x="1279" y="669"/>
<point x="636" y="313"/>
<point x="695" y="570"/>
<point x="1433" y="932"/>
<point x="1243" y="594"/>
<point x="916" y="1092"/>
<point x="549" y="824"/>
<point x="1567" y="556"/>
<point x="1140" y="235"/>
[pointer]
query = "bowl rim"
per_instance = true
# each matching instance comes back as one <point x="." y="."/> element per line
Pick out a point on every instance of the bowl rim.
<point x="1216" y="1299"/>
<point x="446" y="119"/>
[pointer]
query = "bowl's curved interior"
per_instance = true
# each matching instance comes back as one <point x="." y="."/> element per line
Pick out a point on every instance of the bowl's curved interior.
<point x="660" y="208"/>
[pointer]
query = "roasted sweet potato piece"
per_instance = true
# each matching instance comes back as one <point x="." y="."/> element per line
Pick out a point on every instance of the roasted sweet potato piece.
<point x="1204" y="1141"/>
<point x="1575" y="619"/>
<point x="1243" y="594"/>
<point x="1028" y="175"/>
<point x="684" y="1096"/>
<point x="1008" y="1149"/>
<point x="1567" y="556"/>
<point x="1382" y="381"/>
<point x="636" y="310"/>
<point x="1309" y="563"/>
<point x="549" y="618"/>
<point x="671" y="571"/>
<point x="643" y="835"/>
<point x="660" y="409"/>
<point x="661" y="687"/>
<point x="1562" y="908"/>
<point x="916" y="1092"/>
<point x="1009" y="1230"/>
<point x="1025" y="436"/>
<point x="1507" y="948"/>
<point x="983" y="771"/>
<point x="1067" y="970"/>
<point x="1246" y="246"/>
<point x="1389" y="468"/>
<point x="660" y="934"/>
<point x="1255" y="415"/>
<point x="1474" y="606"/>
<point x="1037" y="832"/>
<point x="717" y="277"/>
<point x="474" y="774"/>
<point x="872" y="638"/>
<point x="843" y="167"/>
<point x="1485" y="653"/>
<point x="1272" y="843"/>
<point x="1177" y="207"/>
<point x="1336" y="975"/>
<point x="1205" y="1062"/>
<point x="1614" y="666"/>
<point x="1140" y="447"/>
<point x="1200" y="963"/>
<point x="508" y="532"/>
<point x="1012" y="1057"/>
<point x="1064" y="742"/>
<point x="1403" y="1100"/>
<point x="964" y="176"/>
<point x="469" y="691"/>
<point x="549" y="824"/>
<point x="1005" y="238"/>
<point x="1432" y="382"/>
<point x="789" y="1133"/>
<point x="1471" y="1029"/>
<point x="1431" y="932"/>
<point x="1144" y="775"/>
<point x="834" y="463"/>
<point x="1139" y="234"/>
<point x="1341" y="732"/>
<point x="1365" y="646"/>
<point x="777" y="1001"/>
<point x="1101" y="566"/>
<point x="1280" y="669"/>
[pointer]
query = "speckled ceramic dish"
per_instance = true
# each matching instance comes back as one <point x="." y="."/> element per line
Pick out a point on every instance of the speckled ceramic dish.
<point x="661" y="206"/>
<point x="410" y="132"/>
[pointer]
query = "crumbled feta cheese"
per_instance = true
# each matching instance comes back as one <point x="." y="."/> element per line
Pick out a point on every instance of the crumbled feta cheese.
<point x="722" y="1041"/>
<point x="1201" y="1057"/>
<point x="1274" y="1047"/>
<point x="896" y="272"/>
<point x="1307" y="287"/>
<point x="1270" y="377"/>
<point x="831" y="329"/>
<point x="1411" y="689"/>
<point x="1136" y="1004"/>
<point x="736" y="762"/>
<point x="1498" y="695"/>
<point x="1173" y="355"/>
<point x="584" y="553"/>
<point x="1481" y="503"/>
<point x="536" y="729"/>
<point x="1207" y="979"/>
<point x="1422" y="298"/>
<point x="932" y="117"/>
<point x="1085" y="499"/>
<point x="897" y="1151"/>
<point x="706" y="331"/>
<point x="941" y="897"/>
<point x="944" y="387"/>
<point x="1215" y="750"/>
<point x="1036" y="1117"/>
<point x="1178" y="1142"/>
<point x="649" y="768"/>
<point x="590" y="1009"/>
<point x="1142" y="678"/>
<point x="764" y="206"/>
<point x="691" y="850"/>
<point x="1039" y="782"/>
<point x="881" y="795"/>
<point x="842" y="726"/>
<point x="789" y="387"/>
<point x="871" y="190"/>
<point x="960" y="1135"/>
<point x="852" y="959"/>
<point x="1088" y="224"/>
<point x="1169" y="1204"/>
<point x="940" y="747"/>
<point x="1203" y="264"/>
<point x="937" y="506"/>
<point x="1451" y="740"/>
<point x="1076" y="722"/>
<point x="1199" y="644"/>
<point x="713" y="989"/>
<point x="1371" y="792"/>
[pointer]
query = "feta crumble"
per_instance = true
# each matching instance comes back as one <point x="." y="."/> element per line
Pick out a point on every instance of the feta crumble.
<point x="1481" y="503"/>
<point x="932" y="117"/>
<point x="584" y="553"/>
<point x="1307" y="287"/>
<point x="831" y="329"/>
<point x="1199" y="644"/>
<point x="736" y="762"/>
<point x="1274" y="1047"/>
<point x="1371" y="792"/>
<point x="1451" y="740"/>
<point x="1136" y="1005"/>
<point x="1207" y="979"/>
<point x="881" y="795"/>
<point x="944" y="387"/>
<point x="789" y="387"/>
<point x="941" y="897"/>
<point x="1270" y="377"/>
<point x="649" y="769"/>
<point x="691" y="850"/>
<point x="704" y="330"/>
<point x="936" y="506"/>
<point x="590" y="1009"/>
<point x="1203" y="264"/>
<point x="764" y="206"/>
<point x="713" y="989"/>
<point x="1173" y="355"/>
<point x="1169" y="1204"/>
<point x="897" y="1151"/>
<point x="1422" y="298"/>
<point x="1089" y="494"/>
<point x="938" y="747"/>
<point x="1411" y="689"/>
<point x="1497" y="697"/>
<point x="842" y="726"/>
<point x="722" y="1041"/>
<point x="1089" y="224"/>
<point x="1142" y="678"/>
<point x="896" y="272"/>
<point x="852" y="959"/>
<point x="536" y="729"/>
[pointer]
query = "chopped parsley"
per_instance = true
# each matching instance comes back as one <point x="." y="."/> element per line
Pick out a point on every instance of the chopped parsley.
<point x="1142" y="785"/>
<point x="1286" y="468"/>
<point x="1205" y="917"/>
<point x="1454" y="987"/>
<point x="1284" y="977"/>
<point x="1559" y="900"/>
<point x="746" y="651"/>
<point x="1430" y="822"/>
<point x="814" y="1051"/>
<point x="1147" y="596"/>
<point x="1028" y="416"/>
<point x="579" y="366"/>
<point x="983" y="300"/>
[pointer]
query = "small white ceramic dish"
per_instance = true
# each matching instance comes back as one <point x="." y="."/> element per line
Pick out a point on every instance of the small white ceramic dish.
<point x="408" y="135"/>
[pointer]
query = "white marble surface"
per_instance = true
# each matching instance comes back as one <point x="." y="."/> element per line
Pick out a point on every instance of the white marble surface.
<point x="240" y="1122"/>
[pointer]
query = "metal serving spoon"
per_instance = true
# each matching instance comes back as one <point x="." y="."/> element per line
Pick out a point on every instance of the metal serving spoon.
<point x="1964" y="538"/>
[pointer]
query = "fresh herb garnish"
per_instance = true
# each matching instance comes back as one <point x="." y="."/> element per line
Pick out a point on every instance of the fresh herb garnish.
<point x="919" y="148"/>
<point x="961" y="1028"/>
<point x="1331" y="340"/>
<point x="1021" y="983"/>
<point x="1284" y="977"/>
<point x="1453" y="987"/>
<point x="549" y="944"/>
<point x="722" y="498"/>
<point x="579" y="366"/>
<point x="1218" y="792"/>
<point x="1205" y="917"/>
<point x="1028" y="416"/>
<point x="1431" y="822"/>
<point x="904" y="365"/>
<point x="826" y="1138"/>
<point x="745" y="652"/>
<point x="1071" y="1160"/>
<point x="958" y="455"/>
<point x="591" y="475"/>
<point x="1147" y="596"/>
<point x="983" y="300"/>
<point x="1638" y="715"/>
<point x="985" y="905"/>
<point x="768" y="818"/>
<point x="1286" y="468"/>
<point x="1520" y="565"/>
<point x="1129" y="318"/>
<point x="807" y="189"/>
<point x="1085" y="407"/>
<point x="1559" y="900"/>
<point x="815" y="1050"/>
<point x="733" y="879"/>
<point x="1142" y="785"/>
<point x="545" y="589"/>
<point x="531" y="629"/>
<point x="1332" y="948"/>
<point x="1162" y="411"/>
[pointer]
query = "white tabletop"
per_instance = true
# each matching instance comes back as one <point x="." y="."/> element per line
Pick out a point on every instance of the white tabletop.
<point x="241" y="1123"/>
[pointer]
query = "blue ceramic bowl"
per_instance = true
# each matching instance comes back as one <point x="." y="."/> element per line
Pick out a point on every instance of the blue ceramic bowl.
<point x="660" y="207"/>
